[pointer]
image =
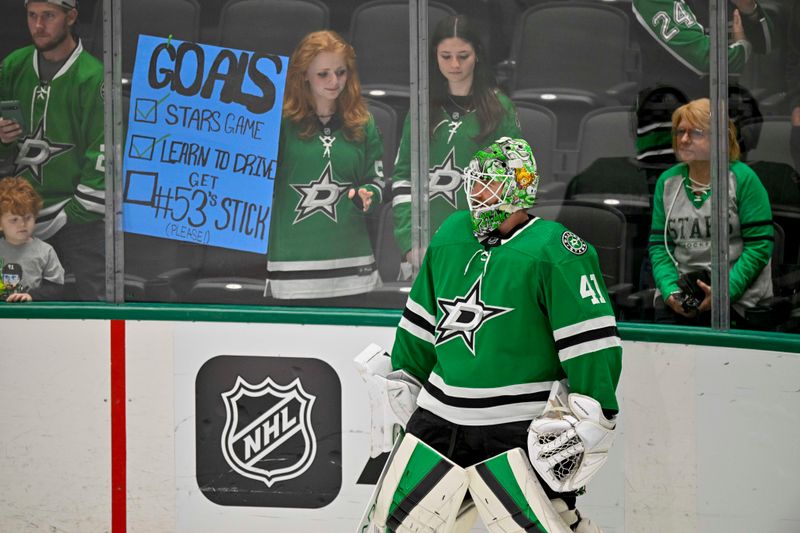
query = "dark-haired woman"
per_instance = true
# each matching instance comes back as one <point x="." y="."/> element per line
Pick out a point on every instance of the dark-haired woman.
<point x="467" y="113"/>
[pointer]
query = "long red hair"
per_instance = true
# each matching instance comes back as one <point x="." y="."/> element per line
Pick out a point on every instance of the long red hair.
<point x="298" y="104"/>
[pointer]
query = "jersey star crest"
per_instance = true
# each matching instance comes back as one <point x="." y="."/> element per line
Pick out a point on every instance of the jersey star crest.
<point x="35" y="151"/>
<point x="445" y="179"/>
<point x="319" y="196"/>
<point x="464" y="316"/>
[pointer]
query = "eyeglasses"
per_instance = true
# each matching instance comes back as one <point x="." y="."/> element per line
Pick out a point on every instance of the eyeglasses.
<point x="695" y="134"/>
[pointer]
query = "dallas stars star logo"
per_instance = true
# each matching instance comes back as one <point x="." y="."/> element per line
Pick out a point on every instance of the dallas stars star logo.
<point x="464" y="316"/>
<point x="445" y="179"/>
<point x="319" y="196"/>
<point x="35" y="151"/>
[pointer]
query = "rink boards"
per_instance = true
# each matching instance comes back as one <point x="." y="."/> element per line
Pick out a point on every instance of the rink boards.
<point x="239" y="427"/>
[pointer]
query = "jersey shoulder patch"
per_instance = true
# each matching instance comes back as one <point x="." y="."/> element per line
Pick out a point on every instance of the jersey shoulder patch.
<point x="573" y="243"/>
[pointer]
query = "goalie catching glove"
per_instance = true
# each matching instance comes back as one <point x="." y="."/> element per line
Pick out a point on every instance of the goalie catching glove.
<point x="569" y="441"/>
<point x="392" y="394"/>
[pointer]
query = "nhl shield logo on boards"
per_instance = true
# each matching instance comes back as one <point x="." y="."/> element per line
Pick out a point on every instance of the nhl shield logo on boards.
<point x="268" y="431"/>
<point x="252" y="446"/>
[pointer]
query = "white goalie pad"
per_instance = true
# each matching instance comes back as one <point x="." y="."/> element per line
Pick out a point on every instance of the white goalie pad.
<point x="392" y="397"/>
<point x="419" y="491"/>
<point x="569" y="442"/>
<point x="510" y="498"/>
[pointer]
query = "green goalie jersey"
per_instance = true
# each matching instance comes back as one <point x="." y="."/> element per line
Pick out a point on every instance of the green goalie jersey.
<point x="61" y="153"/>
<point x="318" y="242"/>
<point x="488" y="327"/>
<point x="452" y="145"/>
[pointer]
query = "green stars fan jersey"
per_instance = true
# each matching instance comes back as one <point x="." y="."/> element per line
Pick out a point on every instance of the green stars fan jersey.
<point x="682" y="222"/>
<point x="488" y="329"/>
<point x="318" y="242"/>
<point x="452" y="145"/>
<point x="62" y="152"/>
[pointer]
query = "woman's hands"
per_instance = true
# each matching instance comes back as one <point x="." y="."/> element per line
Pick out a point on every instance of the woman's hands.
<point x="364" y="200"/>
<point x="674" y="304"/>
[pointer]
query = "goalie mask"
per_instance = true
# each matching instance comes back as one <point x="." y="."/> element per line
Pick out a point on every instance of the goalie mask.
<point x="500" y="180"/>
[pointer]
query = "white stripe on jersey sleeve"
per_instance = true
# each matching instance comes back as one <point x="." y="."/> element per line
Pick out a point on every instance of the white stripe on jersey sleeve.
<point x="421" y="312"/>
<point x="581" y="327"/>
<point x="97" y="202"/>
<point x="415" y="330"/>
<point x="588" y="347"/>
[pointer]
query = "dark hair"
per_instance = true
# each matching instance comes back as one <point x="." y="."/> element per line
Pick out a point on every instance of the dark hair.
<point x="484" y="84"/>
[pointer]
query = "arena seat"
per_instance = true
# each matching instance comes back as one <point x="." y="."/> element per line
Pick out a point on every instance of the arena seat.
<point x="556" y="60"/>
<point x="602" y="226"/>
<point x="379" y="31"/>
<point x="606" y="132"/>
<point x="270" y="26"/>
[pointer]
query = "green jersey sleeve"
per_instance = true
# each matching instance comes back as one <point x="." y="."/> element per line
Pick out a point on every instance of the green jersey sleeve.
<point x="755" y="216"/>
<point x="89" y="192"/>
<point x="372" y="177"/>
<point x="401" y="182"/>
<point x="665" y="273"/>
<point x="675" y="27"/>
<point x="584" y="327"/>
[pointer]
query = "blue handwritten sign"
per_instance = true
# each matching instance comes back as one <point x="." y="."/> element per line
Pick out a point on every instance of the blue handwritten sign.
<point x="202" y="144"/>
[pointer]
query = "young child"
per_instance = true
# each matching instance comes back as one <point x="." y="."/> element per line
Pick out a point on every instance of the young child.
<point x="30" y="268"/>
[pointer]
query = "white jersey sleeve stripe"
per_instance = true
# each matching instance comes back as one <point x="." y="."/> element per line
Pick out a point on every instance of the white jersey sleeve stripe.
<point x="582" y="327"/>
<point x="421" y="312"/>
<point x="588" y="347"/>
<point x="415" y="330"/>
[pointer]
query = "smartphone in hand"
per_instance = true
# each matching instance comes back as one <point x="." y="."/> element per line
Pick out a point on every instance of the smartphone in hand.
<point x="11" y="110"/>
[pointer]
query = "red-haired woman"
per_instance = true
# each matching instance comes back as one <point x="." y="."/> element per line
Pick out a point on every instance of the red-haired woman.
<point x="329" y="174"/>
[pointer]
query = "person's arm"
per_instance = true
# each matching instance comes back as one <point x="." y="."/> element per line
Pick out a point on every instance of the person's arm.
<point x="10" y="131"/>
<point x="413" y="349"/>
<point x="665" y="273"/>
<point x="755" y="217"/>
<point x="584" y="327"/>
<point x="88" y="200"/>
<point x="757" y="25"/>
<point x="371" y="183"/>
<point x="673" y="25"/>
<point x="401" y="190"/>
<point x="52" y="285"/>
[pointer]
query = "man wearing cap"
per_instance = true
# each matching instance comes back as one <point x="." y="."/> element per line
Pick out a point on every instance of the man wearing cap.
<point x="59" y="147"/>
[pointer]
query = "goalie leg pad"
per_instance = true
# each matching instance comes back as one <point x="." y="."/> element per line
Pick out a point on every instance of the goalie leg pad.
<point x="421" y="491"/>
<point x="510" y="498"/>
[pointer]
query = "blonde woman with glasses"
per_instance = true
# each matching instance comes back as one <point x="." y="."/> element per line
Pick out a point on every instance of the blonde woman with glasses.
<point x="680" y="237"/>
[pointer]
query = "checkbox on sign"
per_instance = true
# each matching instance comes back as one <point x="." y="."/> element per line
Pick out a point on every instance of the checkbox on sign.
<point x="140" y="187"/>
<point x="146" y="110"/>
<point x="142" y="147"/>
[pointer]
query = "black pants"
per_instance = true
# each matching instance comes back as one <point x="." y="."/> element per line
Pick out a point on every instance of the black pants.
<point x="467" y="445"/>
<point x="81" y="248"/>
